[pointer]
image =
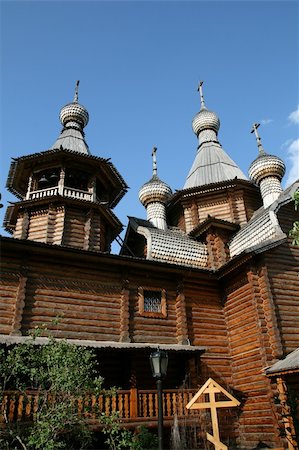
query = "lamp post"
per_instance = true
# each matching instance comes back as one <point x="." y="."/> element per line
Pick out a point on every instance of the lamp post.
<point x="159" y="362"/>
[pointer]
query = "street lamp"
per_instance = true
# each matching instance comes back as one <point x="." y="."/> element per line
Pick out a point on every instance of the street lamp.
<point x="159" y="362"/>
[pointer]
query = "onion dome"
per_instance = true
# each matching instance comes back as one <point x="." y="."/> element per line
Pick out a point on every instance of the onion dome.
<point x="74" y="113"/>
<point x="265" y="165"/>
<point x="204" y="119"/>
<point x="74" y="117"/>
<point x="154" y="190"/>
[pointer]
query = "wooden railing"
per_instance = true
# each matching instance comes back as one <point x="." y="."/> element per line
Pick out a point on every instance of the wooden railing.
<point x="66" y="192"/>
<point x="133" y="405"/>
<point x="49" y="192"/>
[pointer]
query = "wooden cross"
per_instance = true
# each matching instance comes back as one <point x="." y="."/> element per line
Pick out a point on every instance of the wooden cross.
<point x="212" y="388"/>
<point x="258" y="139"/>
<point x="154" y="160"/>
<point x="76" y="91"/>
<point x="202" y="101"/>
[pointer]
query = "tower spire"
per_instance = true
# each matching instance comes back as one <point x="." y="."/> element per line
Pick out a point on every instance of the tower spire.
<point x="202" y="101"/>
<point x="154" y="161"/>
<point x="76" y="91"/>
<point x="258" y="139"/>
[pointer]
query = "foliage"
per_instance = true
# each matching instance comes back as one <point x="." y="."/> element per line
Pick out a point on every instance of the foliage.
<point x="294" y="232"/>
<point x="60" y="372"/>
<point x="119" y="438"/>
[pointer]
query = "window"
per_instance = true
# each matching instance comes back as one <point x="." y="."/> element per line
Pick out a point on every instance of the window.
<point x="152" y="302"/>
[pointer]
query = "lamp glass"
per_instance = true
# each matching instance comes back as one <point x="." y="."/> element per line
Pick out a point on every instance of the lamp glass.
<point x="159" y="363"/>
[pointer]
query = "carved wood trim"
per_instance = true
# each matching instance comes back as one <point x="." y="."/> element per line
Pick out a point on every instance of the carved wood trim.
<point x="124" y="315"/>
<point x="270" y="316"/>
<point x="19" y="307"/>
<point x="87" y="229"/>
<point x="181" y="318"/>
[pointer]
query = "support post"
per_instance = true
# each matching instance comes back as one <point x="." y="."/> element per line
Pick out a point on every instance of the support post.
<point x="160" y="414"/>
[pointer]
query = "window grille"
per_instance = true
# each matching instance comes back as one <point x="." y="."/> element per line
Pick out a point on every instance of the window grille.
<point x="152" y="301"/>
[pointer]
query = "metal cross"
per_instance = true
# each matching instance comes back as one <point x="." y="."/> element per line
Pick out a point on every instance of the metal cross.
<point x="154" y="161"/>
<point x="258" y="139"/>
<point x="202" y="101"/>
<point x="76" y="91"/>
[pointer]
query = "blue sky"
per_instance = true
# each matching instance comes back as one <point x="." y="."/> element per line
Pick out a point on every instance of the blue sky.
<point x="139" y="64"/>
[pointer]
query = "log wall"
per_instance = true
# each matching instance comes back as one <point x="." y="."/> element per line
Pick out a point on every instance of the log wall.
<point x="74" y="228"/>
<point x="8" y="294"/>
<point x="207" y="327"/>
<point x="64" y="225"/>
<point x="38" y="225"/>
<point x="283" y="268"/>
<point x="232" y="204"/>
<point x="252" y="348"/>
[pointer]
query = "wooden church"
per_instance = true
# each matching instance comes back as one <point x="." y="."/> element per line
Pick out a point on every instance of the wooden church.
<point x="210" y="276"/>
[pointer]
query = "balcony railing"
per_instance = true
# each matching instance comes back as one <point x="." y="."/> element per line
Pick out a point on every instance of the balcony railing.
<point x="42" y="193"/>
<point x="66" y="192"/>
<point x="133" y="405"/>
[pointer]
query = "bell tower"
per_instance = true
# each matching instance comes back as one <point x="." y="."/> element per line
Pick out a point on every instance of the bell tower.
<point x="66" y="195"/>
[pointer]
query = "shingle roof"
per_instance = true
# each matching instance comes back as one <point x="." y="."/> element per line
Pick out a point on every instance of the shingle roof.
<point x="12" y="340"/>
<point x="263" y="229"/>
<point x="172" y="246"/>
<point x="72" y="139"/>
<point x="289" y="364"/>
<point x="212" y="165"/>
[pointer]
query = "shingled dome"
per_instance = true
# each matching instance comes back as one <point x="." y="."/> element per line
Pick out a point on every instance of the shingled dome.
<point x="74" y="112"/>
<point x="154" y="190"/>
<point x="266" y="166"/>
<point x="205" y="120"/>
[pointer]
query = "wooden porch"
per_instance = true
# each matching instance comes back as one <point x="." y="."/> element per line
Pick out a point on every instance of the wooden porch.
<point x="135" y="406"/>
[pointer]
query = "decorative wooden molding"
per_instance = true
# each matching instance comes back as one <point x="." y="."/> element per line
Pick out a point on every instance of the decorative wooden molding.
<point x="19" y="307"/>
<point x="287" y="418"/>
<point x="50" y="223"/>
<point x="87" y="229"/>
<point x="124" y="315"/>
<point x="24" y="225"/>
<point x="270" y="315"/>
<point x="181" y="318"/>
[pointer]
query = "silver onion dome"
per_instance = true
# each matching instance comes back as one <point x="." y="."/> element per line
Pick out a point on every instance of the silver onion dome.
<point x="74" y="112"/>
<point x="154" y="190"/>
<point x="266" y="166"/>
<point x="204" y="119"/>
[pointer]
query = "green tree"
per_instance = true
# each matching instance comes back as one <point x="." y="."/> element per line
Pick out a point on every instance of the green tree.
<point x="119" y="438"/>
<point x="60" y="372"/>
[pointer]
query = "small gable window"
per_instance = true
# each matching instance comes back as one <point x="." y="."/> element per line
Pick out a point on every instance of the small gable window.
<point x="152" y="302"/>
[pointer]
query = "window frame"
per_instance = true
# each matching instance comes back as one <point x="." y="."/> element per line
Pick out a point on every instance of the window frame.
<point x="163" y="313"/>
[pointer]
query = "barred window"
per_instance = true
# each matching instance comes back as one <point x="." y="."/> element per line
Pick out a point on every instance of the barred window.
<point x="152" y="302"/>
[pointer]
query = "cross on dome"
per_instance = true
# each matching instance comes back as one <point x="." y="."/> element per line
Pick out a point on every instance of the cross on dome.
<point x="154" y="161"/>
<point x="258" y="139"/>
<point x="76" y="91"/>
<point x="202" y="101"/>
